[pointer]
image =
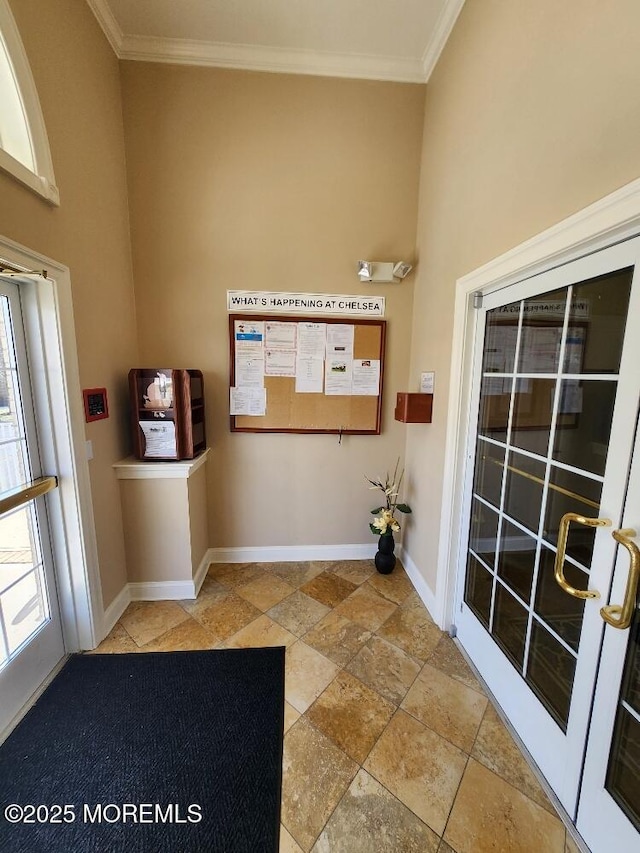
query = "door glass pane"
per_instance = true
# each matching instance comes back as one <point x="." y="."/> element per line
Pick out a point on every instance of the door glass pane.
<point x="484" y="531"/>
<point x="510" y="625"/>
<point x="501" y="333"/>
<point x="517" y="559"/>
<point x="488" y="472"/>
<point x="532" y="413"/>
<point x="23" y="603"/>
<point x="624" y="760"/>
<point x="523" y="490"/>
<point x="599" y="308"/>
<point x="479" y="584"/>
<point x="560" y="611"/>
<point x="583" y="441"/>
<point x="543" y="319"/>
<point x="495" y="397"/>
<point x="550" y="672"/>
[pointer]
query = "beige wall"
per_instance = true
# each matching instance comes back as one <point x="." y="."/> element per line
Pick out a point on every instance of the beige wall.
<point x="532" y="113"/>
<point x="270" y="182"/>
<point x="77" y="79"/>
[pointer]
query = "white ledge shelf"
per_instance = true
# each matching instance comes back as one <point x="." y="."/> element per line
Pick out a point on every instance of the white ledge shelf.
<point x="135" y="469"/>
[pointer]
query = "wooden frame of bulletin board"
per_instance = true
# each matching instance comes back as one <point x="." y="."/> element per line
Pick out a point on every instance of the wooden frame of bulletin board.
<point x="294" y="412"/>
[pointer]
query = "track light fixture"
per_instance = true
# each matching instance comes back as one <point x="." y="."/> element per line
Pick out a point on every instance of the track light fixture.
<point x="383" y="271"/>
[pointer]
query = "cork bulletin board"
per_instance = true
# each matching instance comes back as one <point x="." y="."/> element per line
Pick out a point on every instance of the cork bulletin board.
<point x="343" y="395"/>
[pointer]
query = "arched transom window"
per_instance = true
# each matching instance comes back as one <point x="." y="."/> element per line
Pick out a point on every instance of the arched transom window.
<point x="24" y="147"/>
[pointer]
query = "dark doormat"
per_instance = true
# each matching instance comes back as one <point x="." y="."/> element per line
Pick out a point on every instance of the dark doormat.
<point x="160" y="752"/>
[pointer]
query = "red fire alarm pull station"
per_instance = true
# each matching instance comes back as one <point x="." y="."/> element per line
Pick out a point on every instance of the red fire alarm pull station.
<point x="414" y="408"/>
<point x="95" y="404"/>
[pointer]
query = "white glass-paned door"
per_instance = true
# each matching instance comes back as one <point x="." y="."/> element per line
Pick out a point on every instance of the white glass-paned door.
<point x="556" y="392"/>
<point x="30" y="633"/>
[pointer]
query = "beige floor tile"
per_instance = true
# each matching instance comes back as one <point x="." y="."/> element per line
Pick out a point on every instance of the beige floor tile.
<point x="287" y="844"/>
<point x="211" y="592"/>
<point x="265" y="591"/>
<point x="356" y="571"/>
<point x="447" y="658"/>
<point x="117" y="642"/>
<point x="491" y="815"/>
<point x="187" y="636"/>
<point x="447" y="706"/>
<point x="395" y="587"/>
<point x="307" y="674"/>
<point x="235" y="574"/>
<point x="351" y="714"/>
<point x="298" y="613"/>
<point x="337" y="638"/>
<point x="419" y="767"/>
<point x="296" y="574"/>
<point x="290" y="716"/>
<point x="412" y="630"/>
<point x="328" y="589"/>
<point x="413" y="601"/>
<point x="260" y="633"/>
<point x="315" y="776"/>
<point x="496" y="749"/>
<point x="369" y="819"/>
<point x="228" y="616"/>
<point x="146" y="620"/>
<point x="385" y="668"/>
<point x="444" y="848"/>
<point x="366" y="608"/>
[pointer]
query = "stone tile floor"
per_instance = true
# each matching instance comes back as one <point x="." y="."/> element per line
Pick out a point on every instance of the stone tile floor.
<point x="390" y="743"/>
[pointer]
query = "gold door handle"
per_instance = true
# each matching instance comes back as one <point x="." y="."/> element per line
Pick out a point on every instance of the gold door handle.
<point x="620" y="616"/>
<point x="563" y="533"/>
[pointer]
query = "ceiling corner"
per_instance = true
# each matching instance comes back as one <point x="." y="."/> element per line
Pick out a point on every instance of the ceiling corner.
<point x="108" y="23"/>
<point x="441" y="33"/>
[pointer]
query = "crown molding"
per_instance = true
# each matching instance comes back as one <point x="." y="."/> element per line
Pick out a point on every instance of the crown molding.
<point x="110" y="27"/>
<point x="446" y="23"/>
<point x="262" y="58"/>
<point x="278" y="60"/>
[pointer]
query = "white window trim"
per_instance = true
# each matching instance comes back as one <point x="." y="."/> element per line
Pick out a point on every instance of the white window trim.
<point x="614" y="218"/>
<point x="50" y="332"/>
<point x="43" y="180"/>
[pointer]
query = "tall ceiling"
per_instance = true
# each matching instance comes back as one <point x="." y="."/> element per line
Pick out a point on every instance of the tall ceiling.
<point x="371" y="39"/>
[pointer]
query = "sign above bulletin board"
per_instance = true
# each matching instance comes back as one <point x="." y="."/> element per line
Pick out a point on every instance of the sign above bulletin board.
<point x="288" y="374"/>
<point x="305" y="303"/>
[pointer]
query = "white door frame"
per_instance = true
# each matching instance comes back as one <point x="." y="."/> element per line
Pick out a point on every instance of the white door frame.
<point x="614" y="218"/>
<point x="51" y="342"/>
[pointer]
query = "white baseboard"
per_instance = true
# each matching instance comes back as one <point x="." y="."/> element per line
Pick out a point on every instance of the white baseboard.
<point x="292" y="553"/>
<point x="421" y="586"/>
<point x="201" y="572"/>
<point x="115" y="610"/>
<point x="162" y="590"/>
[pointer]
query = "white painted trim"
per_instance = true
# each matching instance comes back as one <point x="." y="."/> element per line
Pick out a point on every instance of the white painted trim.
<point x="115" y="610"/>
<point x="421" y="586"/>
<point x="201" y="572"/>
<point x="110" y="26"/>
<point x="136" y="469"/>
<point x="292" y="553"/>
<point x="43" y="179"/>
<point x="438" y="40"/>
<point x="162" y="590"/>
<point x="62" y="443"/>
<point x="28" y="705"/>
<point x="274" y="59"/>
<point x="614" y="218"/>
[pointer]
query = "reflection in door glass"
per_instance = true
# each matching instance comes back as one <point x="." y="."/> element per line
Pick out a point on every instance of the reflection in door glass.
<point x="624" y="760"/>
<point x="547" y="395"/>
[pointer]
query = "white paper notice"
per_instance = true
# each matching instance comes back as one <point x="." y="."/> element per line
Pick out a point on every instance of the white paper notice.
<point x="249" y="336"/>
<point x="337" y="375"/>
<point x="309" y="374"/>
<point x="340" y="339"/>
<point x="159" y="439"/>
<point x="247" y="401"/>
<point x="279" y="362"/>
<point x="312" y="339"/>
<point x="366" y="377"/>
<point x="280" y="335"/>
<point x="250" y="369"/>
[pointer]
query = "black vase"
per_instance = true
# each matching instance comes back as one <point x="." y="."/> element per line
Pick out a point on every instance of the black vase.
<point x="385" y="559"/>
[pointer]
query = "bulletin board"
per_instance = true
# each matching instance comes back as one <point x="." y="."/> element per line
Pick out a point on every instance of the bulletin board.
<point x="349" y="399"/>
